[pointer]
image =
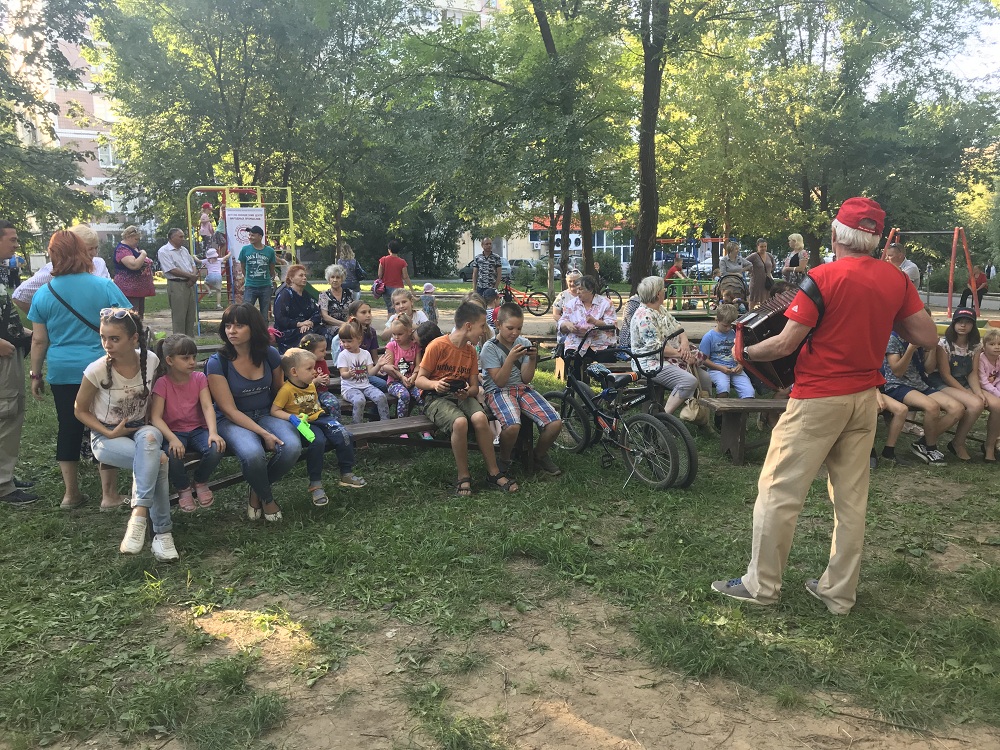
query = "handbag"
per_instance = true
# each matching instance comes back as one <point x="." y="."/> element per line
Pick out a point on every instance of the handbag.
<point x="694" y="411"/>
<point x="378" y="288"/>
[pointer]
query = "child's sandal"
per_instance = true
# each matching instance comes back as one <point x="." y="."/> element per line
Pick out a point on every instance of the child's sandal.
<point x="204" y="493"/>
<point x="463" y="487"/>
<point x="319" y="497"/>
<point x="509" y="486"/>
<point x="186" y="500"/>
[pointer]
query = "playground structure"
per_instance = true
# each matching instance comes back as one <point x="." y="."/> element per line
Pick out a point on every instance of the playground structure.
<point x="956" y="234"/>
<point x="276" y="217"/>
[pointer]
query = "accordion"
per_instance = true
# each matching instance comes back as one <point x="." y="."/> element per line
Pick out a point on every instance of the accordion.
<point x="767" y="321"/>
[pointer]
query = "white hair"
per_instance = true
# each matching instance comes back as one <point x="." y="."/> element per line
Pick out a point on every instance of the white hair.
<point x="335" y="270"/>
<point x="855" y="240"/>
<point x="649" y="289"/>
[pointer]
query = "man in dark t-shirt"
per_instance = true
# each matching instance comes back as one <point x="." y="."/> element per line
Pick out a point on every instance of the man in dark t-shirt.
<point x="832" y="410"/>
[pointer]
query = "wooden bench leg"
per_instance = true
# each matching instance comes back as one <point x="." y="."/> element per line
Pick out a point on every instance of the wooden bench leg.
<point x="560" y="368"/>
<point x="525" y="447"/>
<point x="733" y="437"/>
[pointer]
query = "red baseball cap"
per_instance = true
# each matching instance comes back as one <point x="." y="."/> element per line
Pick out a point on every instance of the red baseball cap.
<point x="206" y="205"/>
<point x="855" y="210"/>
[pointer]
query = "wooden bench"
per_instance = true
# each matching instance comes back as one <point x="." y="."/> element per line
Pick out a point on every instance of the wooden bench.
<point x="389" y="432"/>
<point x="734" y="413"/>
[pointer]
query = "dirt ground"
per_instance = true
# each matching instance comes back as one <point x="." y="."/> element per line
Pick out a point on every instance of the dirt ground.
<point x="558" y="676"/>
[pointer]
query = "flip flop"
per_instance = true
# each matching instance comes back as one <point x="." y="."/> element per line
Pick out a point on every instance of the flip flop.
<point x="73" y="506"/>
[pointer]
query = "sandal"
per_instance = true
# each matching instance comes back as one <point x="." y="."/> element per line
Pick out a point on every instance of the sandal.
<point x="254" y="513"/>
<point x="204" y="493"/>
<point x="319" y="497"/>
<point x="509" y="486"/>
<point x="463" y="487"/>
<point x="74" y="505"/>
<point x="126" y="502"/>
<point x="186" y="500"/>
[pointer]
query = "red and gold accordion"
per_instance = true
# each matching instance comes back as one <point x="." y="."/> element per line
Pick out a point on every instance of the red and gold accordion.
<point x="767" y="321"/>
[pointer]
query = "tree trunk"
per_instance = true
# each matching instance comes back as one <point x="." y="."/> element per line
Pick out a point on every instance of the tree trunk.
<point x="567" y="219"/>
<point x="586" y="230"/>
<point x="655" y="15"/>
<point x="552" y="249"/>
<point x="338" y="218"/>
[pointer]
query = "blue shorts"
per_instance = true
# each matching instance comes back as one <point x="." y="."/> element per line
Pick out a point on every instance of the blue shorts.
<point x="899" y="392"/>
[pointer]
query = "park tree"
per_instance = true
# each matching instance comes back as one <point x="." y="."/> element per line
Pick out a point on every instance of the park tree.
<point x="36" y="179"/>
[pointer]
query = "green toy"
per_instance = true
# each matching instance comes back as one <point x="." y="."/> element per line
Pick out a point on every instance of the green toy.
<point x="301" y="423"/>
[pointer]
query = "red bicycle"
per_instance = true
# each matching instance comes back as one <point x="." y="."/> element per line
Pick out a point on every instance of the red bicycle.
<point x="537" y="303"/>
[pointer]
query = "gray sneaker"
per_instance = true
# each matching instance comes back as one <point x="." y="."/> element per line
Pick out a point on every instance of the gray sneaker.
<point x="545" y="463"/>
<point x="734" y="589"/>
<point x="352" y="480"/>
<point x="812" y="586"/>
<point x="920" y="451"/>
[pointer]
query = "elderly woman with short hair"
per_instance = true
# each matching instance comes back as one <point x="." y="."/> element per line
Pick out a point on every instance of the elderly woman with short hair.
<point x="584" y="313"/>
<point x="334" y="303"/>
<point x="653" y="330"/>
<point x="133" y="270"/>
<point x="563" y="298"/>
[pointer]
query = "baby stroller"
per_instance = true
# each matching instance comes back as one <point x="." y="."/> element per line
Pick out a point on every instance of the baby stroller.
<point x="731" y="288"/>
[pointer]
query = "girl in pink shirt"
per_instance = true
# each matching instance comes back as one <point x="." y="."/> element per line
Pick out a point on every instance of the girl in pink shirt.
<point x="182" y="411"/>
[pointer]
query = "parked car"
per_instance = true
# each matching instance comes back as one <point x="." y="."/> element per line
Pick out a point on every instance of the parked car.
<point x="525" y="263"/>
<point x="466" y="273"/>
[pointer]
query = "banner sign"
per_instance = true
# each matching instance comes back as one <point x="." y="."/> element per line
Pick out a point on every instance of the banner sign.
<point x="238" y="220"/>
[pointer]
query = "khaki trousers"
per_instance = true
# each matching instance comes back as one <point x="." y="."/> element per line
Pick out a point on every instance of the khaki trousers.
<point x="183" y="311"/>
<point x="840" y="431"/>
<point x="12" y="398"/>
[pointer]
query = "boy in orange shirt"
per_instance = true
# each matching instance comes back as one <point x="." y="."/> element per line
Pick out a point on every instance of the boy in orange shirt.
<point x="449" y="376"/>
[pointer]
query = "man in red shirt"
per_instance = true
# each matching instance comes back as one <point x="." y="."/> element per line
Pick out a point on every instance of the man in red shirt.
<point x="832" y="411"/>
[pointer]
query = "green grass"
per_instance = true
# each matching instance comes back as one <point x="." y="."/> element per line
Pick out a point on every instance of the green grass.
<point x="84" y="633"/>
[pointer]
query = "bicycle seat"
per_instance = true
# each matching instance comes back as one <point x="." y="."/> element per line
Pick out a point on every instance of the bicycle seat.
<point x="626" y="378"/>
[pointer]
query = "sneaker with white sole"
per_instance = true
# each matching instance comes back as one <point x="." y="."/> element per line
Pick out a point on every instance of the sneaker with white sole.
<point x="913" y="429"/>
<point x="935" y="457"/>
<point x="135" y="536"/>
<point x="920" y="451"/>
<point x="163" y="548"/>
<point x="734" y="589"/>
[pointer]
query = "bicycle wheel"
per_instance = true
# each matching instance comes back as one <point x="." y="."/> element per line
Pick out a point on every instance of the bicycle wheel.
<point x="575" y="435"/>
<point x="615" y="298"/>
<point x="649" y="451"/>
<point x="538" y="303"/>
<point x="687" y="451"/>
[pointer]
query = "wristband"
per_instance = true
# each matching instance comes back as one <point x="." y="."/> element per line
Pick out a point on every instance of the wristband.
<point x="35" y="375"/>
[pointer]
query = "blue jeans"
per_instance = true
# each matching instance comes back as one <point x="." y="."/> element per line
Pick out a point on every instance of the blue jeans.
<point x="337" y="436"/>
<point x="197" y="440"/>
<point x="141" y="453"/>
<point x="261" y="295"/>
<point x="259" y="471"/>
<point x="387" y="296"/>
<point x="379" y="382"/>
<point x="314" y="453"/>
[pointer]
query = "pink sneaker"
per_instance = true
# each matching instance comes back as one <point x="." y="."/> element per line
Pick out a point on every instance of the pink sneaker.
<point x="205" y="496"/>
<point x="185" y="500"/>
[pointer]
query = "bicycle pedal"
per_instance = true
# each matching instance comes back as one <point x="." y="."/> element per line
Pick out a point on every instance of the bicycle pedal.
<point x="607" y="461"/>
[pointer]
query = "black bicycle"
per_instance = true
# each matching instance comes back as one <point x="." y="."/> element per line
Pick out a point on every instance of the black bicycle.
<point x="647" y="444"/>
<point x="614" y="297"/>
<point x="631" y="393"/>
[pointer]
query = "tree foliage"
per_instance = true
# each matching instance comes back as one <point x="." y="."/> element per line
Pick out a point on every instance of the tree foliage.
<point x="38" y="180"/>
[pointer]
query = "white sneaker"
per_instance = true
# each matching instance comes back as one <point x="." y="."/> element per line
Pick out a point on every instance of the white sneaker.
<point x="913" y="429"/>
<point x="135" y="536"/>
<point x="163" y="548"/>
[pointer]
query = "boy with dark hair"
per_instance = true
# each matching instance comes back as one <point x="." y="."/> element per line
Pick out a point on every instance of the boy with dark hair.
<point x="509" y="362"/>
<point x="449" y="376"/>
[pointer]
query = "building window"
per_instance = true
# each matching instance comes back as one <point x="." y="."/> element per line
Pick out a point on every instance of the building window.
<point x="538" y="235"/>
<point x="106" y="156"/>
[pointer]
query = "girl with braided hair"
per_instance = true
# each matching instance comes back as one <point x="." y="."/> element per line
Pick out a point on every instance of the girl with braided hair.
<point x="113" y="402"/>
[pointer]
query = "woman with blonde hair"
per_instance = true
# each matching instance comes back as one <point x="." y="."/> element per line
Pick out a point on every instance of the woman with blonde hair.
<point x="354" y="274"/>
<point x="798" y="261"/>
<point x="66" y="315"/>
<point x="133" y="270"/>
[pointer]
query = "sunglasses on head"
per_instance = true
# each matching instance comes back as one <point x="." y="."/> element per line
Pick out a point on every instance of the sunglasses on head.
<point x="116" y="313"/>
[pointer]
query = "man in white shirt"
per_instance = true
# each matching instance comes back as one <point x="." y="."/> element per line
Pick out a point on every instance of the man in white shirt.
<point x="896" y="254"/>
<point x="182" y="274"/>
<point x="24" y="293"/>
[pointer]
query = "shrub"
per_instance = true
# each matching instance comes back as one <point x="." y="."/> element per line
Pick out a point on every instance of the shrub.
<point x="611" y="267"/>
<point x="524" y="276"/>
<point x="939" y="279"/>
